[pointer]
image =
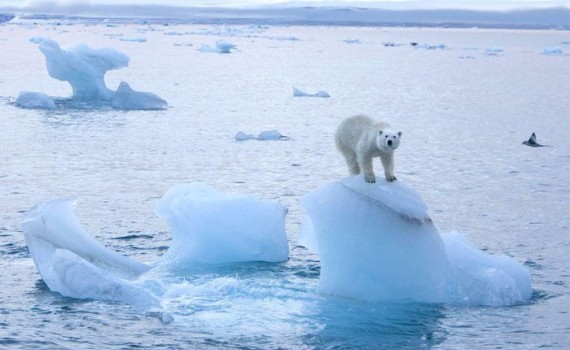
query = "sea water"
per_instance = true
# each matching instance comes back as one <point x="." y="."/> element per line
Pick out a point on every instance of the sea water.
<point x="463" y="113"/>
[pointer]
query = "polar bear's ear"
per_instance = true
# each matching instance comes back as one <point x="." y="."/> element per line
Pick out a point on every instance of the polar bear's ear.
<point x="380" y="132"/>
<point x="400" y="133"/>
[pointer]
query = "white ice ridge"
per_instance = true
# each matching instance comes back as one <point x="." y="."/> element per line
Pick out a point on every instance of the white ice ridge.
<point x="84" y="69"/>
<point x="211" y="227"/>
<point x="377" y="242"/>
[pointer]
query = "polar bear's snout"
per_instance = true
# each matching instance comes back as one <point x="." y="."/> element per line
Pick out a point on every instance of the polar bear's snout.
<point x="390" y="140"/>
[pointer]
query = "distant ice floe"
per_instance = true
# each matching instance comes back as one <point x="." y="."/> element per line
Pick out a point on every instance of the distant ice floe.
<point x="138" y="40"/>
<point x="352" y="41"/>
<point x="378" y="243"/>
<point x="431" y="47"/>
<point x="84" y="69"/>
<point x="554" y="51"/>
<point x="35" y="100"/>
<point x="268" y="135"/>
<point x="493" y="51"/>
<point x="221" y="46"/>
<point x="299" y="93"/>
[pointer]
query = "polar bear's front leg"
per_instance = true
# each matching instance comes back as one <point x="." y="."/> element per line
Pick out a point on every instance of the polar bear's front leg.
<point x="388" y="164"/>
<point x="365" y="162"/>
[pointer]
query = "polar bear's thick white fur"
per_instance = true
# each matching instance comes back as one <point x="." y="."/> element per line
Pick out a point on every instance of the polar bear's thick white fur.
<point x="360" y="139"/>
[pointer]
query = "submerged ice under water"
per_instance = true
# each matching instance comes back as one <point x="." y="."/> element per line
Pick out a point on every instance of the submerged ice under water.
<point x="508" y="200"/>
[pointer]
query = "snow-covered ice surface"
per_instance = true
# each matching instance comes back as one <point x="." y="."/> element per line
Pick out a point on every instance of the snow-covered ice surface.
<point x="464" y="121"/>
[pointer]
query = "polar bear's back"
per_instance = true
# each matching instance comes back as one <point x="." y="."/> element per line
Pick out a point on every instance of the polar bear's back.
<point x="352" y="129"/>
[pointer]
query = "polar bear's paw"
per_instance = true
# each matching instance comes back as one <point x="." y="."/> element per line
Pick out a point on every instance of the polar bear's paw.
<point x="390" y="178"/>
<point x="370" y="178"/>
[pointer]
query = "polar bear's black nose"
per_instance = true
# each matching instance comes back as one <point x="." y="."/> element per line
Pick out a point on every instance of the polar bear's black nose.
<point x="390" y="143"/>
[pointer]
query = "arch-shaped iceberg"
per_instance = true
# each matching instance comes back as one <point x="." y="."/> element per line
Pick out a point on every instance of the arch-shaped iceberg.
<point x="84" y="69"/>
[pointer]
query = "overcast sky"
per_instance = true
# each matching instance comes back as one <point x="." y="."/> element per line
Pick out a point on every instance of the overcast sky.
<point x="390" y="4"/>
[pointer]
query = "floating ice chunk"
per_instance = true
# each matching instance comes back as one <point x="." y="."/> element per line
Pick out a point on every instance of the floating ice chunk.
<point x="268" y="135"/>
<point x="553" y="51"/>
<point x="84" y="68"/>
<point x="211" y="227"/>
<point x="271" y="135"/>
<point x="376" y="242"/>
<point x="299" y="93"/>
<point x="222" y="46"/>
<point x="352" y="41"/>
<point x="35" y="100"/>
<point x="138" y="40"/>
<point x="74" y="264"/>
<point x="241" y="136"/>
<point x="129" y="99"/>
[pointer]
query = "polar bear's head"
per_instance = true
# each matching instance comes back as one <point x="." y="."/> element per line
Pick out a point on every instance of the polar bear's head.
<point x="388" y="140"/>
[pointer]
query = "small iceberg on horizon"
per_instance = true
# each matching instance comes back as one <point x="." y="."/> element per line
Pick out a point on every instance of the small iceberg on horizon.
<point x="300" y="93"/>
<point x="378" y="243"/>
<point x="84" y="69"/>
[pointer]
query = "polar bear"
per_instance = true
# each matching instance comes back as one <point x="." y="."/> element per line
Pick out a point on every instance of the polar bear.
<point x="360" y="139"/>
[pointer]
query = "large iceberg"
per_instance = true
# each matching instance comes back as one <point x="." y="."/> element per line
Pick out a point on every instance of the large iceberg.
<point x="207" y="228"/>
<point x="378" y="243"/>
<point x="211" y="227"/>
<point x="84" y="69"/>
